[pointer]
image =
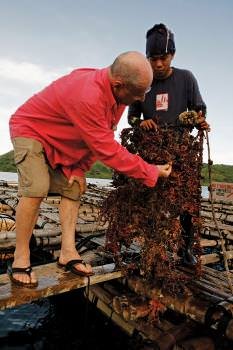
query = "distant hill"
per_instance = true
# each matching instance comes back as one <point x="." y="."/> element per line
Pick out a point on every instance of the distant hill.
<point x="98" y="170"/>
<point x="7" y="162"/>
<point x="220" y="172"/>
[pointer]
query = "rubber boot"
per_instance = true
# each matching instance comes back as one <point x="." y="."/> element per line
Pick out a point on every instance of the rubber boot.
<point x="188" y="256"/>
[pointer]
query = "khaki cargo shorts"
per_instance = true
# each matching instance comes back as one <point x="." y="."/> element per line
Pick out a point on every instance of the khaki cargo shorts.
<point x="35" y="177"/>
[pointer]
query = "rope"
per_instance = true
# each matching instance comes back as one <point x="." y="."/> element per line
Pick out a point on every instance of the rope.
<point x="86" y="312"/>
<point x="94" y="228"/>
<point x="192" y="118"/>
<point x="210" y="162"/>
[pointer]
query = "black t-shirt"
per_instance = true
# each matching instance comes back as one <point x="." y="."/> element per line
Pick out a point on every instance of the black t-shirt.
<point x="168" y="98"/>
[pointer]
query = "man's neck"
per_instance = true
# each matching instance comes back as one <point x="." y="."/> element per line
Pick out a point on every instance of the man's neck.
<point x="169" y="73"/>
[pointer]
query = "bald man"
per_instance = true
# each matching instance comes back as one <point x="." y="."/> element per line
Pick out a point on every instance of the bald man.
<point x="58" y="134"/>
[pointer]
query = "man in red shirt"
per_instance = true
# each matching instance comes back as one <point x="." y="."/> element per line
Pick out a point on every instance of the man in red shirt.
<point x="58" y="134"/>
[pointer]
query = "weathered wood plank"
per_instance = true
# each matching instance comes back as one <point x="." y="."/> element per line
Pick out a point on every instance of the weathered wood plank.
<point x="52" y="280"/>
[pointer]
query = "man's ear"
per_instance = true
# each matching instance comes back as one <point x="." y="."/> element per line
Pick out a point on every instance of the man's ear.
<point x="117" y="83"/>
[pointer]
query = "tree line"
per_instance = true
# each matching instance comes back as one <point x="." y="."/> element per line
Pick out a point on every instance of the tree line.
<point x="220" y="172"/>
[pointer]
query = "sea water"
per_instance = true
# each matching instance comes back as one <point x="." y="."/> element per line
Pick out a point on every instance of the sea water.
<point x="5" y="176"/>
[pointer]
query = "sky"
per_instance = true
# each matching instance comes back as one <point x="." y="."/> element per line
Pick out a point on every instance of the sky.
<point x="42" y="40"/>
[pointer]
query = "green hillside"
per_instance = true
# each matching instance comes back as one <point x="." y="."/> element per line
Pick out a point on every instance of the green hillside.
<point x="7" y="162"/>
<point x="220" y="172"/>
<point x="98" y="171"/>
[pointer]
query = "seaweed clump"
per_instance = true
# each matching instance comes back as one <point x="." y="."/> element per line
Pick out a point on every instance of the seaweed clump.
<point x="151" y="217"/>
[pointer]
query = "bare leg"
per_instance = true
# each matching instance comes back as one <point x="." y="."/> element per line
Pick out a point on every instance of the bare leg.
<point x="68" y="218"/>
<point x="26" y="216"/>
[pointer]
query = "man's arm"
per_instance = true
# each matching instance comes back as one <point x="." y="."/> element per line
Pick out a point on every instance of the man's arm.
<point x="134" y="114"/>
<point x="92" y="124"/>
<point x="148" y="124"/>
<point x="202" y="123"/>
<point x="134" y="118"/>
<point x="195" y="101"/>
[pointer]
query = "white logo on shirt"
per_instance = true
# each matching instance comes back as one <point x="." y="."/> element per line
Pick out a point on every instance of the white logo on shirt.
<point x="161" y="102"/>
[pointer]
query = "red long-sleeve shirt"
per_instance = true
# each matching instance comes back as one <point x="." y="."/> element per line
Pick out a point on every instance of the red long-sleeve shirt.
<point x="73" y="118"/>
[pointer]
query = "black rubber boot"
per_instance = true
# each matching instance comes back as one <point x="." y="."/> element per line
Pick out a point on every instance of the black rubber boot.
<point x="188" y="257"/>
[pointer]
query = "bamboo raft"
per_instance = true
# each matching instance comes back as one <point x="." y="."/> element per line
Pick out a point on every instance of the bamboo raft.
<point x="209" y="301"/>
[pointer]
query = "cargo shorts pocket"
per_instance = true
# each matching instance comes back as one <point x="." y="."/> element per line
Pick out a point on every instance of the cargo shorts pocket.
<point x="20" y="157"/>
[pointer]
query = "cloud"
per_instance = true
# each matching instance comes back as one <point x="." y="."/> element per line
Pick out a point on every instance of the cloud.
<point x="18" y="81"/>
<point x="222" y="157"/>
<point x="25" y="72"/>
<point x="4" y="111"/>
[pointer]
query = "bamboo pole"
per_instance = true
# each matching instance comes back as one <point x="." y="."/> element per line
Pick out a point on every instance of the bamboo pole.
<point x="188" y="305"/>
<point x="199" y="343"/>
<point x="4" y="207"/>
<point x="131" y="309"/>
<point x="164" y="334"/>
<point x="209" y="258"/>
<point x="209" y="242"/>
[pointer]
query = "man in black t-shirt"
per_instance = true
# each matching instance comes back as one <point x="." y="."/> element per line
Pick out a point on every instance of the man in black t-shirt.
<point x="173" y="91"/>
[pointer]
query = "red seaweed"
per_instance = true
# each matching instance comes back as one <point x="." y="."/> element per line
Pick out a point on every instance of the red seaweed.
<point x="152" y="215"/>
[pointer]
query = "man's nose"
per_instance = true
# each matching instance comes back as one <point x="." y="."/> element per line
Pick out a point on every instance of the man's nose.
<point x="158" y="63"/>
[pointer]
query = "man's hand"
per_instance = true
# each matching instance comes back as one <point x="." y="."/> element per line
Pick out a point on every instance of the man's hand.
<point x="202" y="123"/>
<point x="148" y="124"/>
<point x="81" y="181"/>
<point x="165" y="170"/>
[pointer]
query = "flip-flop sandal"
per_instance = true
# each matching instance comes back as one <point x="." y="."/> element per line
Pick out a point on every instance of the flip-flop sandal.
<point x="23" y="270"/>
<point x="70" y="266"/>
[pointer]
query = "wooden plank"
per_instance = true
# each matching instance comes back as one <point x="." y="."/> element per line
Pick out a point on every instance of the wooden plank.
<point x="52" y="280"/>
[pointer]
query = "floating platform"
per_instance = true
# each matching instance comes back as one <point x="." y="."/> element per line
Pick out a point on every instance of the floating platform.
<point x="52" y="280"/>
<point x="209" y="301"/>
